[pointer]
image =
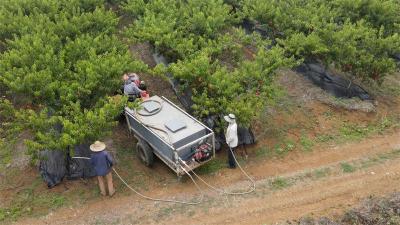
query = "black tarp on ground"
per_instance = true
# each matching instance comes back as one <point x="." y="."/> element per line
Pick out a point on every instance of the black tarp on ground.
<point x="185" y="96"/>
<point x="245" y="136"/>
<point x="52" y="167"/>
<point x="334" y="84"/>
<point x="397" y="57"/>
<point x="251" y="26"/>
<point x="55" y="165"/>
<point x="78" y="167"/>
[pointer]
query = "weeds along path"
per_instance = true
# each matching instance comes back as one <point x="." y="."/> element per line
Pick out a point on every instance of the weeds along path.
<point x="327" y="155"/>
<point x="318" y="183"/>
<point x="325" y="197"/>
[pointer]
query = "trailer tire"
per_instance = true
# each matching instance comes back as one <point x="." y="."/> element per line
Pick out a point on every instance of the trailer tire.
<point x="145" y="153"/>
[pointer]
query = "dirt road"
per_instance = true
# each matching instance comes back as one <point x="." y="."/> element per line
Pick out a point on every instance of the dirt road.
<point x="326" y="196"/>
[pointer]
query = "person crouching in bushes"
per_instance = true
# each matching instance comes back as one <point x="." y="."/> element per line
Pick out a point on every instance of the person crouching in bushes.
<point x="102" y="162"/>
<point x="131" y="88"/>
<point x="144" y="95"/>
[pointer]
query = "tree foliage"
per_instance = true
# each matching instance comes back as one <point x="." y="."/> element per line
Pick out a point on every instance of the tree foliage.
<point x="64" y="60"/>
<point x="177" y="28"/>
<point x="208" y="55"/>
<point x="357" y="36"/>
<point x="61" y="61"/>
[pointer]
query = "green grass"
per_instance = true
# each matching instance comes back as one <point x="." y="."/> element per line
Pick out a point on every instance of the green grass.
<point x="380" y="158"/>
<point x="5" y="155"/>
<point x="10" y="213"/>
<point x="328" y="114"/>
<point x="394" y="90"/>
<point x="347" y="167"/>
<point x="306" y="143"/>
<point x="356" y="132"/>
<point x="279" y="183"/>
<point x="54" y="201"/>
<point x="282" y="149"/>
<point x="262" y="152"/>
<point x="323" y="138"/>
<point x="28" y="202"/>
<point x="320" y="173"/>
<point x="126" y="154"/>
<point x="7" y="179"/>
<point x="164" y="212"/>
<point x="346" y="132"/>
<point x="350" y="131"/>
<point x="353" y="132"/>
<point x="212" y="166"/>
<point x="390" y="85"/>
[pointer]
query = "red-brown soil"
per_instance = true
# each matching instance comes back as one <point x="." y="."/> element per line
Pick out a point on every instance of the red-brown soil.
<point x="327" y="196"/>
<point x="309" y="117"/>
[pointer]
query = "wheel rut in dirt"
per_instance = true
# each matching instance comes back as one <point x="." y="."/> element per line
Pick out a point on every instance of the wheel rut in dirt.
<point x="321" y="157"/>
<point x="327" y="197"/>
<point x="322" y="197"/>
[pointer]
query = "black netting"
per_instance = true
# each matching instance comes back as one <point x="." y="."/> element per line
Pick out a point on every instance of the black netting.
<point x="80" y="167"/>
<point x="397" y="57"/>
<point x="245" y="136"/>
<point x="55" y="165"/>
<point x="52" y="167"/>
<point x="334" y="84"/>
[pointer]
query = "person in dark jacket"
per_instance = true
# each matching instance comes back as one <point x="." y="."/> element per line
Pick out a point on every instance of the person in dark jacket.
<point x="131" y="87"/>
<point x="102" y="162"/>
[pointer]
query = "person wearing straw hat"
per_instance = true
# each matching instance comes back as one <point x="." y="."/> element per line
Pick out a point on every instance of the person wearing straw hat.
<point x="231" y="138"/>
<point x="102" y="162"/>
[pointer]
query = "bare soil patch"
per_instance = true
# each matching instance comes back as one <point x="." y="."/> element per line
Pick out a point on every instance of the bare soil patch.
<point x="156" y="84"/>
<point x="327" y="197"/>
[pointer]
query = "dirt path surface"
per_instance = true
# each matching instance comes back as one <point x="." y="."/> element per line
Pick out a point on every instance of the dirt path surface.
<point x="293" y="195"/>
<point x="325" y="197"/>
<point x="319" y="197"/>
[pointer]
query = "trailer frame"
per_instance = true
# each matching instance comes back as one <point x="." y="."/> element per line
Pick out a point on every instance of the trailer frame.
<point x="151" y="138"/>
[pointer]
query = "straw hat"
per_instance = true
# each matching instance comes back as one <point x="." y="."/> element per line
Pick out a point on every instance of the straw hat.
<point x="230" y="118"/>
<point x="98" y="146"/>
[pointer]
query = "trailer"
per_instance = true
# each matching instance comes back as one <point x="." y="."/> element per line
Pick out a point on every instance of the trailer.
<point x="165" y="130"/>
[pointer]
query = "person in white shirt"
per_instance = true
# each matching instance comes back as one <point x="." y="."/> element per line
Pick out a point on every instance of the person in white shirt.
<point x="231" y="138"/>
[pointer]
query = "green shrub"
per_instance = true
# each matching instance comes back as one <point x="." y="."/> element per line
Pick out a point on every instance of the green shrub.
<point x="66" y="62"/>
<point x="347" y="167"/>
<point x="207" y="55"/>
<point x="279" y="183"/>
<point x="358" y="37"/>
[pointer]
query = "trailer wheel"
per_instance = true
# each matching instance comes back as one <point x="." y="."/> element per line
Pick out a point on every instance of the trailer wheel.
<point x="182" y="178"/>
<point x="144" y="153"/>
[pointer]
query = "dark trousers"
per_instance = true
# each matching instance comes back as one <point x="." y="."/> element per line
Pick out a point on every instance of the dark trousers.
<point x="231" y="159"/>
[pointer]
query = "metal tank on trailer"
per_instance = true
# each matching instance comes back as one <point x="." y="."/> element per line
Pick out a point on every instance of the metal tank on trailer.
<point x="165" y="130"/>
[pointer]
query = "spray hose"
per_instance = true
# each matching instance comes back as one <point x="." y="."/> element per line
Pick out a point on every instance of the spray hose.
<point x="218" y="190"/>
<point x="222" y="191"/>
<point x="157" y="199"/>
<point x="165" y="200"/>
